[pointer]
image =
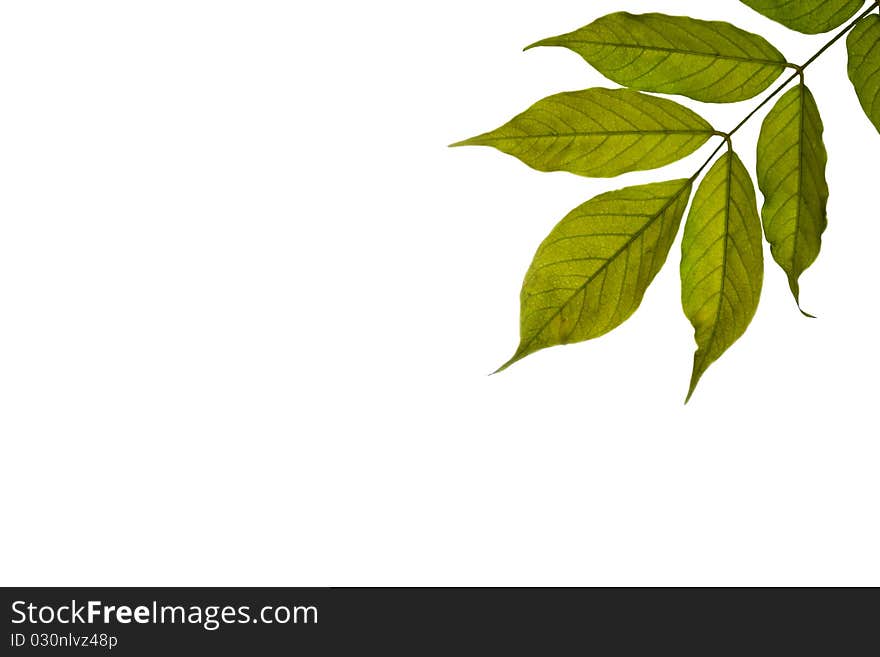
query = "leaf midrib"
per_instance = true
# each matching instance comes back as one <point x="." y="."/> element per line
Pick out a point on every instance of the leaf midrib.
<point x="800" y="188"/>
<point x="696" y="53"/>
<point x="596" y="133"/>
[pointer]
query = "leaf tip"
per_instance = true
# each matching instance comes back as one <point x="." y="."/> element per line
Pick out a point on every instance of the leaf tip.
<point x="550" y="41"/>
<point x="805" y="313"/>
<point x="695" y="379"/>
<point x="796" y="292"/>
<point x="463" y="142"/>
<point x="515" y="358"/>
<point x="518" y="356"/>
<point x="471" y="141"/>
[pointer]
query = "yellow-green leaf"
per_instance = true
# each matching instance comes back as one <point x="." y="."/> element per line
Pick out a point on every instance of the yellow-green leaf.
<point x="863" y="44"/>
<point x="591" y="272"/>
<point x="705" y="60"/>
<point x="791" y="175"/>
<point x="722" y="264"/>
<point x="599" y="132"/>
<point x="807" y="16"/>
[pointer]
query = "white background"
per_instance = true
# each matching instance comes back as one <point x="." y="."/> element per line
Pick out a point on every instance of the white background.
<point x="249" y="301"/>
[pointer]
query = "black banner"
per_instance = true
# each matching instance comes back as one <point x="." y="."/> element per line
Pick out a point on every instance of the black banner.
<point x="412" y="621"/>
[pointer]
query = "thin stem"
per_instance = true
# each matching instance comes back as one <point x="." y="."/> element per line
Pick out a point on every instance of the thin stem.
<point x="711" y="157"/>
<point x="798" y="73"/>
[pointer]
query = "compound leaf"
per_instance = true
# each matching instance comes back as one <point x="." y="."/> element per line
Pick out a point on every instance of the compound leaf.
<point x="791" y="175"/>
<point x="591" y="272"/>
<point x="863" y="45"/>
<point x="807" y="16"/>
<point x="599" y="132"/>
<point x="722" y="264"/>
<point x="705" y="60"/>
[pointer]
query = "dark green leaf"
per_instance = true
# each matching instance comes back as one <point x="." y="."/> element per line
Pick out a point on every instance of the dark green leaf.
<point x="791" y="175"/>
<point x="722" y="265"/>
<point x="863" y="44"/>
<point x="599" y="133"/>
<point x="591" y="272"/>
<point x="709" y="61"/>
<point x="807" y="16"/>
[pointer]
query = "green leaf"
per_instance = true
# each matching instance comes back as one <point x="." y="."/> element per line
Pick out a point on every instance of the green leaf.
<point x="863" y="44"/>
<point x="807" y="16"/>
<point x="722" y="264"/>
<point x="599" y="132"/>
<point x="791" y="175"/>
<point x="591" y="272"/>
<point x="709" y="61"/>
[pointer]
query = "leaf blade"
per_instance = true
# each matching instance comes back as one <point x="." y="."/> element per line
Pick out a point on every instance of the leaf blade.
<point x="863" y="47"/>
<point x="807" y="16"/>
<point x="791" y="176"/>
<point x="615" y="241"/>
<point x="599" y="133"/>
<point x="709" y="61"/>
<point x="722" y="263"/>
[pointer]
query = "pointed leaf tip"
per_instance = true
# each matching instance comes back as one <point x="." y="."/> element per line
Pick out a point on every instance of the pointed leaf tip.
<point x="515" y="358"/>
<point x="464" y="142"/>
<point x="796" y="292"/>
<point x="550" y="41"/>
